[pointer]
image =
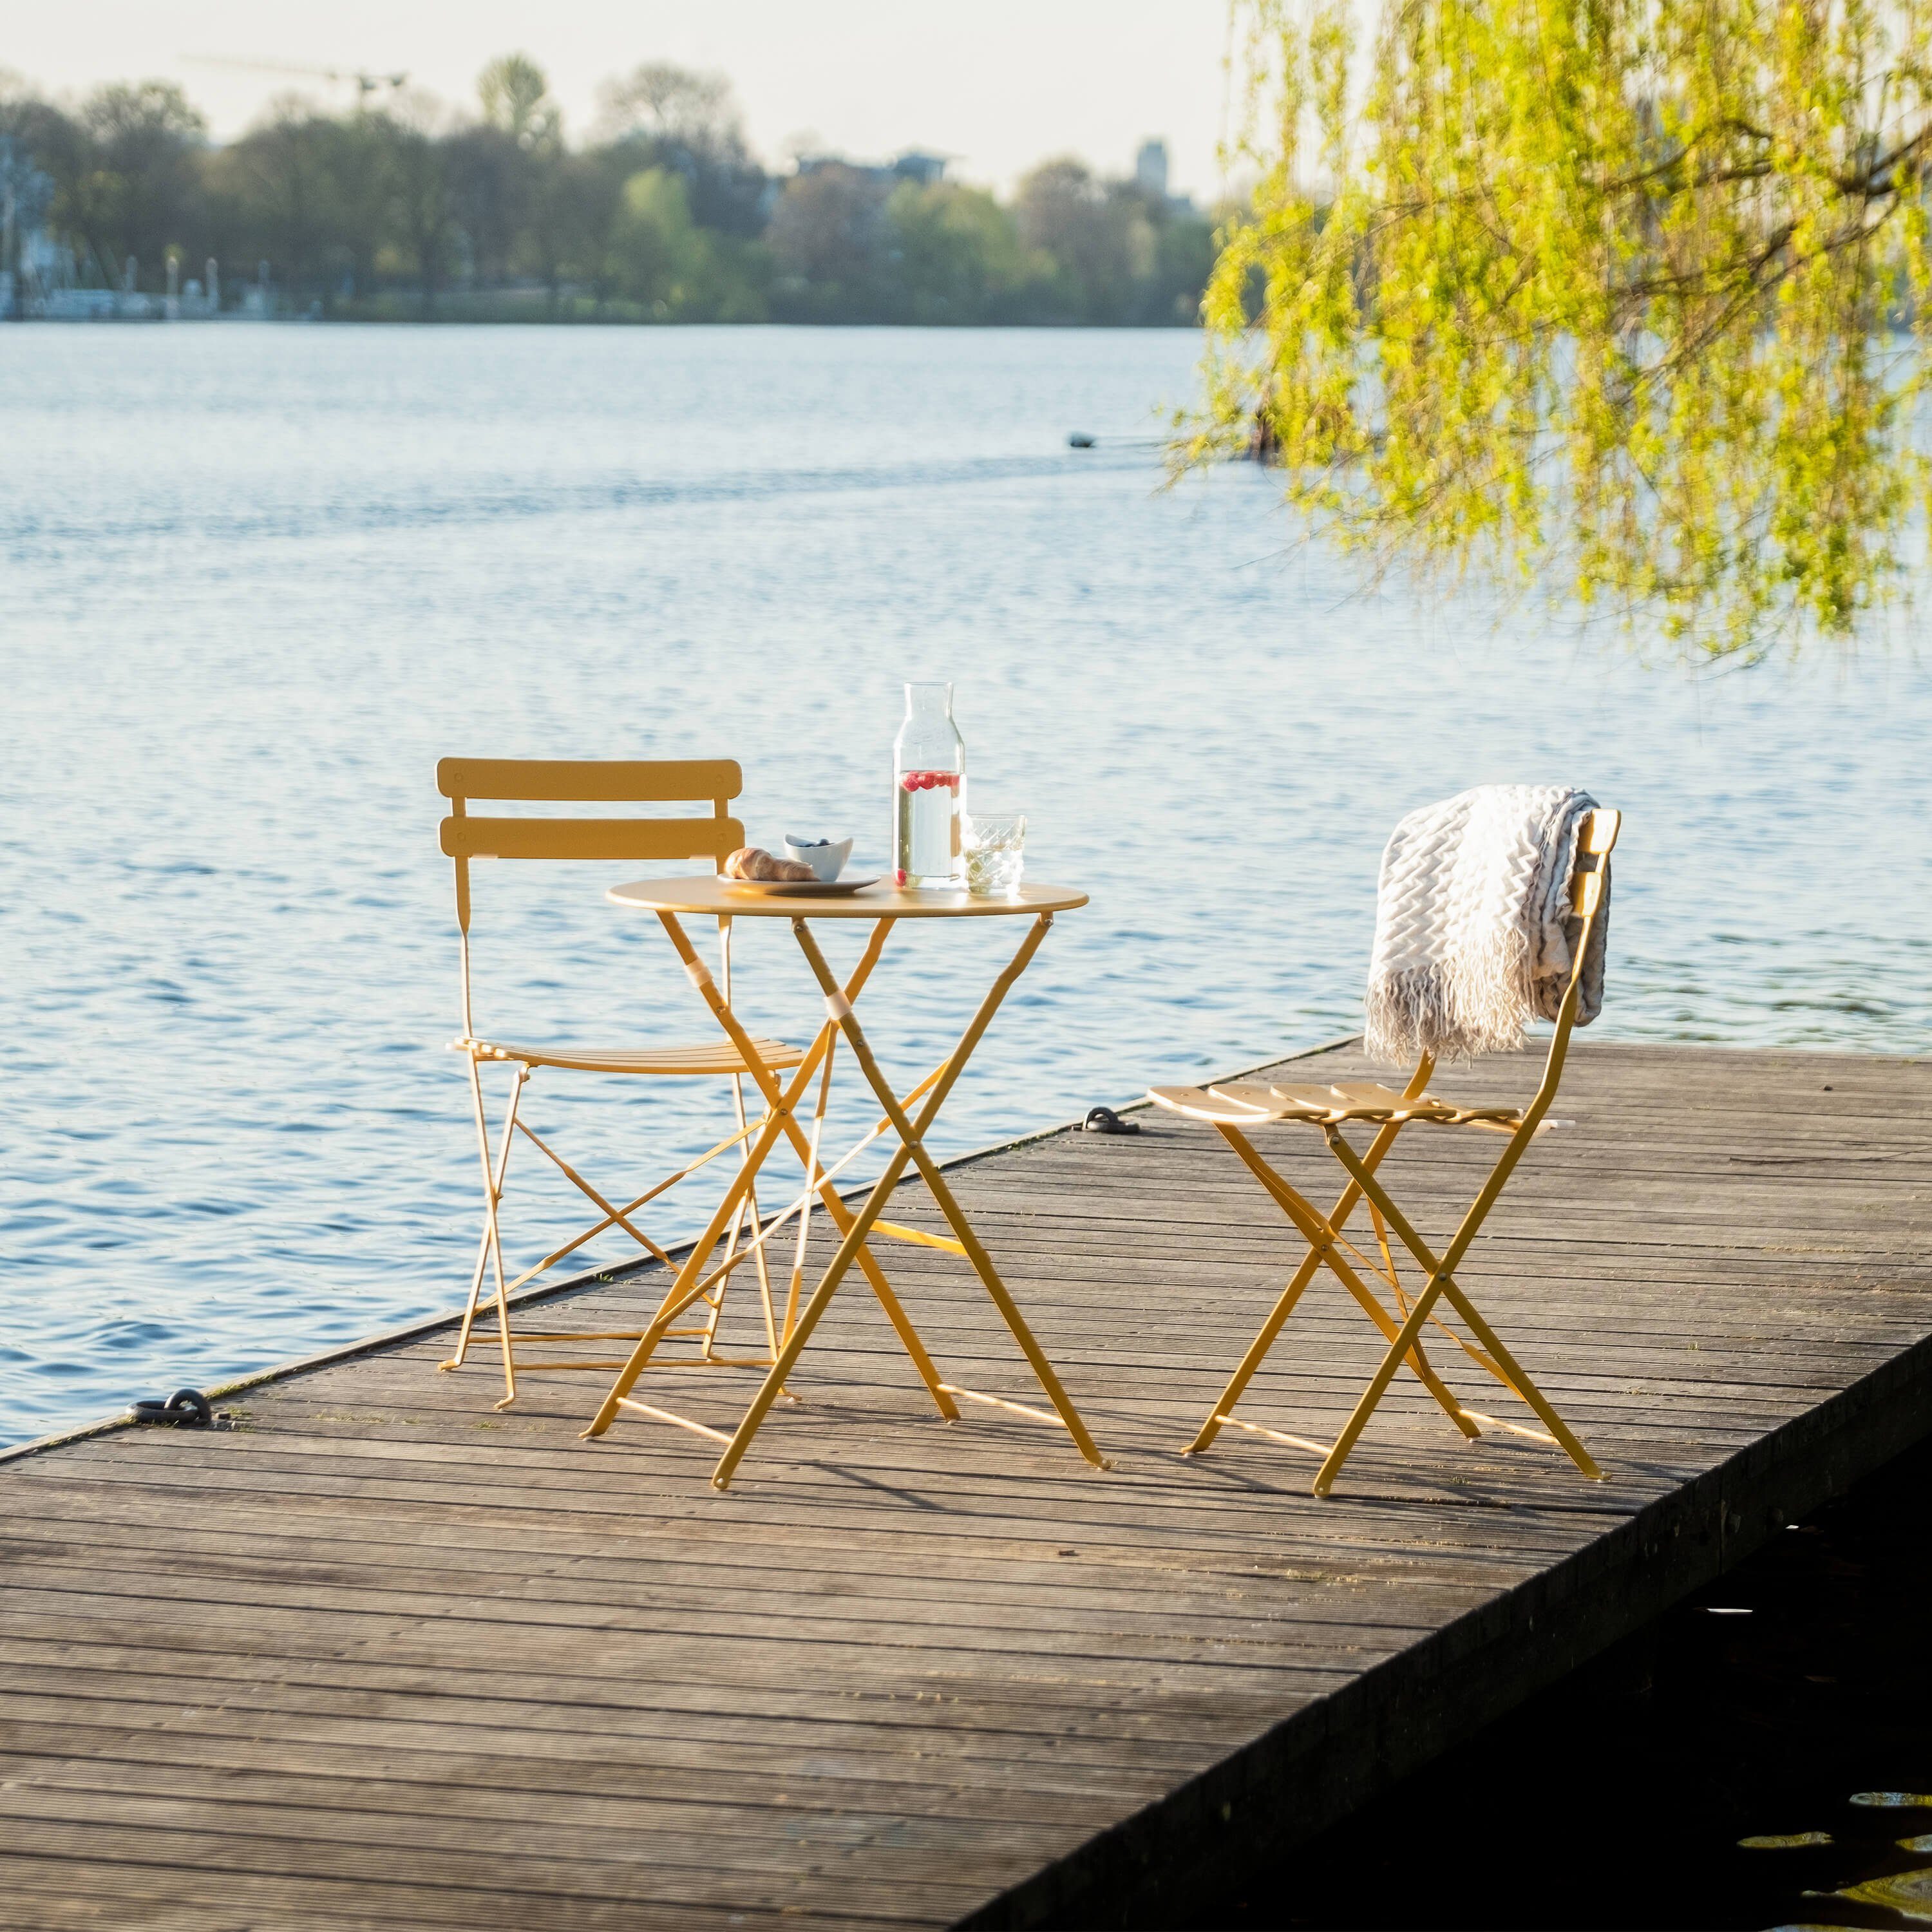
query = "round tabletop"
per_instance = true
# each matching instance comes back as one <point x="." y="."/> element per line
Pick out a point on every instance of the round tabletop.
<point x="705" y="893"/>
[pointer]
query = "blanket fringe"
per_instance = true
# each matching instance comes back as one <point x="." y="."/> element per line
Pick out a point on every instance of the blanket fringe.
<point x="1456" y="1010"/>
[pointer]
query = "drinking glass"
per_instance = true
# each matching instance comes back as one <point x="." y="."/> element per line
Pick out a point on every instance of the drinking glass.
<point x="995" y="853"/>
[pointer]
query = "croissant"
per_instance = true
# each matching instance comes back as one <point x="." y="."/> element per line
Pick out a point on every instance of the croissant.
<point x="753" y="862"/>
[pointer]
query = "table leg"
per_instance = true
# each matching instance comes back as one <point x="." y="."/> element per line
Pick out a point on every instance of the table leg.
<point x="910" y="1148"/>
<point x="935" y="1180"/>
<point x="834" y="1205"/>
<point x="684" y="1289"/>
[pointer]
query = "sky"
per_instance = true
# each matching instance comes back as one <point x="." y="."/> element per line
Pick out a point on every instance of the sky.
<point x="997" y="84"/>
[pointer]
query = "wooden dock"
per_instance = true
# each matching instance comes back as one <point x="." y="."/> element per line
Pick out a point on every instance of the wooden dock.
<point x="379" y="1657"/>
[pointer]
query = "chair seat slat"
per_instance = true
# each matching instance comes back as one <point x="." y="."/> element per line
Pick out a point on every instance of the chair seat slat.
<point x="1260" y="1104"/>
<point x="1259" y="1093"/>
<point x="1198" y="1103"/>
<point x="723" y="1057"/>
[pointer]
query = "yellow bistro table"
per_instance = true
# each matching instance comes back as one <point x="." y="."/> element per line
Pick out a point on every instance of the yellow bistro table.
<point x="884" y="906"/>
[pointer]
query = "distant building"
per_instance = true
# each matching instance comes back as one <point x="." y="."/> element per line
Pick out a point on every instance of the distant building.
<point x="1151" y="168"/>
<point x="1150" y="177"/>
<point x="927" y="170"/>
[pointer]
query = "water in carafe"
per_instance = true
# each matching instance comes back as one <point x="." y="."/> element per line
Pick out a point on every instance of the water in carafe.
<point x="928" y="791"/>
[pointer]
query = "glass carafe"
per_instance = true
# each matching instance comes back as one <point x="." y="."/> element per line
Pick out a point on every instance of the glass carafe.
<point x="928" y="791"/>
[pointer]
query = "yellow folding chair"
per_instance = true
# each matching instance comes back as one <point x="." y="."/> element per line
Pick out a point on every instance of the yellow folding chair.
<point x="1235" y="1106"/>
<point x="467" y="838"/>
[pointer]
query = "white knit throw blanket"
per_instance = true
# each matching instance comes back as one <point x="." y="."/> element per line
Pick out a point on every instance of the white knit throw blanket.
<point x="1473" y="930"/>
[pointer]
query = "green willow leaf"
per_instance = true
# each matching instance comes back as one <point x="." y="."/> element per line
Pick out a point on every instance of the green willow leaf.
<point x="1624" y="299"/>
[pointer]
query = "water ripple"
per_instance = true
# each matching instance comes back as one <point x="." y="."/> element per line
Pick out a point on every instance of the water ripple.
<point x="258" y="580"/>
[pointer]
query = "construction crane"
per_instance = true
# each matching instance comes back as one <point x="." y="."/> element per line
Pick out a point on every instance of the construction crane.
<point x="366" y="83"/>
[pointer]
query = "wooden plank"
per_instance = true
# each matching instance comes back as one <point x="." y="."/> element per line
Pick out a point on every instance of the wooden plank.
<point x="378" y="1657"/>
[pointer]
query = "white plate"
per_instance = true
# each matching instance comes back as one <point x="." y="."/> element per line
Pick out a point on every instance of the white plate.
<point x="803" y="889"/>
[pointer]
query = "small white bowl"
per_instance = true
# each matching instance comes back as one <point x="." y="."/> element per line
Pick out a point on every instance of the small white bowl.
<point x="827" y="861"/>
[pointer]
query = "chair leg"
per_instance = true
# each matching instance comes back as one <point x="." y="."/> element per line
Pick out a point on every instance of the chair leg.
<point x="748" y="1216"/>
<point x="494" y="1161"/>
<point x="1442" y="1282"/>
<point x="1392" y="1276"/>
<point x="1344" y="1205"/>
<point x="1284" y="1307"/>
<point x="745" y="1218"/>
<point x="503" y="1335"/>
<point x="493" y="1173"/>
<point x="708" y="1345"/>
<point x="616" y="1216"/>
<point x="1257" y="1353"/>
<point x="1331" y="1464"/>
<point x="1322" y="1236"/>
<point x="796" y="1286"/>
<point x="1516" y="1379"/>
<point x="761" y="1263"/>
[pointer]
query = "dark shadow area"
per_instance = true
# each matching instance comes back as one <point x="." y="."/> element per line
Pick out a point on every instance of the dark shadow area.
<point x="1778" y="1704"/>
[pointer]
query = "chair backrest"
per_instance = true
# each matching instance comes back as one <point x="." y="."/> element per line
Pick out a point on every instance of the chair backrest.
<point x="1595" y="840"/>
<point x="714" y="781"/>
<point x="1595" y="837"/>
<point x="466" y="836"/>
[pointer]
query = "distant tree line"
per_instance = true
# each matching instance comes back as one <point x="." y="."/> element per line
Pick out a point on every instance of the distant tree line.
<point x="402" y="209"/>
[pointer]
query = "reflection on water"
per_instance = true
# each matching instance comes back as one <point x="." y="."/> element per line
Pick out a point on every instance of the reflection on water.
<point x="1893" y="1890"/>
<point x="1907" y="1893"/>
<point x="1725" y="1758"/>
<point x="256" y="581"/>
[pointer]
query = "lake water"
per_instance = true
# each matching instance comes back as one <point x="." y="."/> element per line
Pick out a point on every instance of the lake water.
<point x="254" y="581"/>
